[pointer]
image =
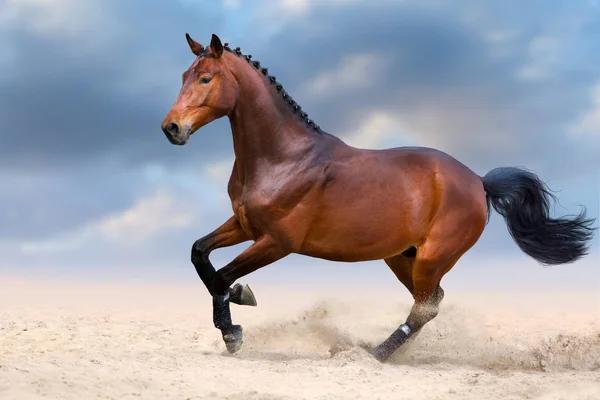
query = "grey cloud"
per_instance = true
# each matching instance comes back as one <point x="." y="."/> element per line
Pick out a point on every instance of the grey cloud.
<point x="36" y="206"/>
<point x="80" y="130"/>
<point x="476" y="104"/>
<point x="76" y="125"/>
<point x="71" y="111"/>
<point x="65" y="108"/>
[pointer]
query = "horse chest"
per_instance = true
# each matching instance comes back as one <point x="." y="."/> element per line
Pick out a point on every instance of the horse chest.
<point x="252" y="212"/>
<point x="260" y="205"/>
<point x="256" y="214"/>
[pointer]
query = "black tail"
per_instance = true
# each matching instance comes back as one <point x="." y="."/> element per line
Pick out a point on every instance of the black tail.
<point x="524" y="202"/>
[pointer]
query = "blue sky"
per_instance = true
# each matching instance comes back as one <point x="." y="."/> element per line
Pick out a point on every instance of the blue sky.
<point x="91" y="189"/>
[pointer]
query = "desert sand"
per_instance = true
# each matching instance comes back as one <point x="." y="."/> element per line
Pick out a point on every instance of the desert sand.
<point x="106" y="341"/>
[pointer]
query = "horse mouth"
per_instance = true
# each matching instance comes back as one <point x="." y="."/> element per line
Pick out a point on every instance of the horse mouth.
<point x="179" y="140"/>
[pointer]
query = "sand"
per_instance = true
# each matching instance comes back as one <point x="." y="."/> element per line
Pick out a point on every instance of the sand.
<point x="104" y="341"/>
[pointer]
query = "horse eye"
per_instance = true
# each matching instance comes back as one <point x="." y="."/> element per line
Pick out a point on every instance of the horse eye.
<point x="205" y="80"/>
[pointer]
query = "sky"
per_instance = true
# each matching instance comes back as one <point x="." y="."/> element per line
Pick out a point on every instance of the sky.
<point x="90" y="188"/>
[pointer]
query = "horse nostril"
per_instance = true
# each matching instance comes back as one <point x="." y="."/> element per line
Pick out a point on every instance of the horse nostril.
<point x="172" y="128"/>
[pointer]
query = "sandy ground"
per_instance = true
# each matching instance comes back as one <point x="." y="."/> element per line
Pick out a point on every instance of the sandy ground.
<point x="74" y="341"/>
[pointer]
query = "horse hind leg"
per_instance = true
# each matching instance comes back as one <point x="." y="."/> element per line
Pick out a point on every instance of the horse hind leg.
<point x="433" y="260"/>
<point x="453" y="234"/>
<point x="402" y="266"/>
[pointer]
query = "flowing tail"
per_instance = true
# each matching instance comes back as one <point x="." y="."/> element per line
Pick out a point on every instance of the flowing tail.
<point x="524" y="202"/>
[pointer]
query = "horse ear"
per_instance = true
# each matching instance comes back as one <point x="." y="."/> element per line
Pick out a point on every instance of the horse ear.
<point x="216" y="47"/>
<point x="194" y="46"/>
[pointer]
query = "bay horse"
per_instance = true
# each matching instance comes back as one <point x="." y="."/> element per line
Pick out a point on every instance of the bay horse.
<point x="295" y="188"/>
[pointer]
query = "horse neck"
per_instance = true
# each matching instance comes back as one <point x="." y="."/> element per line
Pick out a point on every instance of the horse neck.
<point x="265" y="131"/>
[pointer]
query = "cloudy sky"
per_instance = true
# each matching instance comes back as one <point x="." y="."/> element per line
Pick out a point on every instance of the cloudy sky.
<point x="91" y="188"/>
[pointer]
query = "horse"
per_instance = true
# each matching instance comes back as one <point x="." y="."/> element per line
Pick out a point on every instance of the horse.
<point x="297" y="189"/>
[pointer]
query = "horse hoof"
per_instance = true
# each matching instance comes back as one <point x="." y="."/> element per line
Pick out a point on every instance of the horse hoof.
<point x="242" y="295"/>
<point x="233" y="338"/>
<point x="380" y="354"/>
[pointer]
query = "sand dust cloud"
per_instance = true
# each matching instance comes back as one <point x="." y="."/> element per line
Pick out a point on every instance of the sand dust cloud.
<point x="68" y="341"/>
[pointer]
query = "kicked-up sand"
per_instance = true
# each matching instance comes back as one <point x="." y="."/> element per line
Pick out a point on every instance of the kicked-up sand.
<point x="83" y="341"/>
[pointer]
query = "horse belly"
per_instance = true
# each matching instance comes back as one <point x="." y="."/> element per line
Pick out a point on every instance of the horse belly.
<point x="373" y="231"/>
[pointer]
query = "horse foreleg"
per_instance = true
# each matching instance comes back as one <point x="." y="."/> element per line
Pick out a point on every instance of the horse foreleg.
<point x="228" y="234"/>
<point x="265" y="250"/>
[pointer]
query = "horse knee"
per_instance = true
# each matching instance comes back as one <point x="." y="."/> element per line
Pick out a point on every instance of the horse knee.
<point x="199" y="252"/>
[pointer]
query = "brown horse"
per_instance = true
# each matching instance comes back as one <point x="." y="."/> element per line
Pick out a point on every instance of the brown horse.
<point x="295" y="188"/>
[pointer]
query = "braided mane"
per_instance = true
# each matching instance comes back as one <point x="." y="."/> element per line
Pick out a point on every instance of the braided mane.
<point x="296" y="109"/>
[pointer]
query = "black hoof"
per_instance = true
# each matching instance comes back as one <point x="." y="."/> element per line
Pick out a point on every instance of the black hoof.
<point x="233" y="338"/>
<point x="381" y="354"/>
<point x="242" y="295"/>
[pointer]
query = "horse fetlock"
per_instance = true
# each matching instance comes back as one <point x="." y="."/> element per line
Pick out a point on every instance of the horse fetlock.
<point x="421" y="314"/>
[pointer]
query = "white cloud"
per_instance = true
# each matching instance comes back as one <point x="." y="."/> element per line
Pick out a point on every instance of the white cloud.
<point x="502" y="42"/>
<point x="450" y="120"/>
<point x="52" y="17"/>
<point x="151" y="216"/>
<point x="588" y="126"/>
<point x="302" y="6"/>
<point x="374" y="131"/>
<point x="355" y="71"/>
<point x="232" y="4"/>
<point x="545" y="54"/>
<point x="295" y="6"/>
<point x="274" y="16"/>
<point x="557" y="45"/>
<point x="220" y="171"/>
<point x="55" y="245"/>
<point x="500" y="35"/>
<point x="84" y="28"/>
